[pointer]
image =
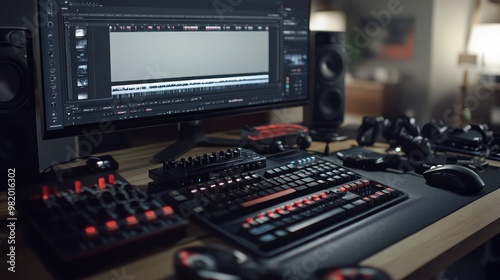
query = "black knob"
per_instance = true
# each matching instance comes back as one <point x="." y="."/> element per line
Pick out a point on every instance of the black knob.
<point x="237" y="152"/>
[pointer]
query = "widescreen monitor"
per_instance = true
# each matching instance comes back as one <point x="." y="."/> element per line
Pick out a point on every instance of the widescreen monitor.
<point x="121" y="64"/>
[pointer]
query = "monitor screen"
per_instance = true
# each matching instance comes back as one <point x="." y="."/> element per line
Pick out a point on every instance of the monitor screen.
<point x="139" y="63"/>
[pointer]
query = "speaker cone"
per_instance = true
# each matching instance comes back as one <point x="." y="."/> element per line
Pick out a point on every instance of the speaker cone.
<point x="330" y="104"/>
<point x="13" y="83"/>
<point x="331" y="66"/>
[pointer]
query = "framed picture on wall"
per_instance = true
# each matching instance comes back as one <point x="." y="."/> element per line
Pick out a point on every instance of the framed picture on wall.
<point x="394" y="40"/>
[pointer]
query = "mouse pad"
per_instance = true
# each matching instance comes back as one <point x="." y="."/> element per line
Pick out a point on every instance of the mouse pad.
<point x="358" y="241"/>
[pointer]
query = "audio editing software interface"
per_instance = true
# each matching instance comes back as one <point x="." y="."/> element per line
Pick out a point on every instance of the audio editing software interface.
<point x="114" y="60"/>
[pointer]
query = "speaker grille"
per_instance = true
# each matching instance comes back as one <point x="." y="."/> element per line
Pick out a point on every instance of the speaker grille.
<point x="327" y="73"/>
<point x="13" y="87"/>
<point x="330" y="104"/>
<point x="331" y="66"/>
<point x="18" y="135"/>
<point x="15" y="80"/>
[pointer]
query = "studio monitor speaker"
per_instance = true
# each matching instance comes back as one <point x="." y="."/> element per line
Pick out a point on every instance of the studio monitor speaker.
<point x="327" y="73"/>
<point x="18" y="136"/>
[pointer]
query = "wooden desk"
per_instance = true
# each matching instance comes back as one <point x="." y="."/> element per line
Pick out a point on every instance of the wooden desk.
<point x="419" y="256"/>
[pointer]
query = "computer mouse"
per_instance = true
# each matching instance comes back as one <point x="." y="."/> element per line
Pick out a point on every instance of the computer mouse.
<point x="215" y="262"/>
<point x="456" y="178"/>
<point x="353" y="273"/>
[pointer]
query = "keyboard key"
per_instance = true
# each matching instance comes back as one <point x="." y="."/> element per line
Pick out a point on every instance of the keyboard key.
<point x="309" y="224"/>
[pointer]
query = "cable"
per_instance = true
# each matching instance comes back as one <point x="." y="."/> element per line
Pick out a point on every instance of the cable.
<point x="51" y="167"/>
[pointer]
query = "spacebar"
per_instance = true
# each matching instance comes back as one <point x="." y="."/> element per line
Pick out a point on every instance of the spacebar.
<point x="330" y="216"/>
<point x="267" y="198"/>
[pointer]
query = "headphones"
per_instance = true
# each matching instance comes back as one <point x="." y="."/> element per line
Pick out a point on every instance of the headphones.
<point x="474" y="137"/>
<point x="403" y="131"/>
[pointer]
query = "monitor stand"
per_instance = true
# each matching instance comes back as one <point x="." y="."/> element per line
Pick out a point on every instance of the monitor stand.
<point x="326" y="134"/>
<point x="190" y="135"/>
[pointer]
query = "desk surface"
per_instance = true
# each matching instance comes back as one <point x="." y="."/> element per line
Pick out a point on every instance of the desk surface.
<point x="419" y="256"/>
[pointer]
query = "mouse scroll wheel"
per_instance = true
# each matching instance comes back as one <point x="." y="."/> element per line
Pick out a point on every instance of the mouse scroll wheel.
<point x="197" y="261"/>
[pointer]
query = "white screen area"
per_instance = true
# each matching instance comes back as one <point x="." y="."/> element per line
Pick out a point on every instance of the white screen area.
<point x="168" y="55"/>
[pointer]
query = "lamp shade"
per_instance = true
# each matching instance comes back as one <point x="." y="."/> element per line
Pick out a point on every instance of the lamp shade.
<point x="328" y="21"/>
<point x="485" y="42"/>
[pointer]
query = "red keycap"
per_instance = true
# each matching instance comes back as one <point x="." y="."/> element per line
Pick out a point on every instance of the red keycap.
<point x="150" y="215"/>
<point x="167" y="211"/>
<point x="111" y="225"/>
<point x="131" y="221"/>
<point x="78" y="186"/>
<point x="90" y="231"/>
<point x="101" y="182"/>
<point x="45" y="192"/>
<point x="111" y="179"/>
<point x="289" y="207"/>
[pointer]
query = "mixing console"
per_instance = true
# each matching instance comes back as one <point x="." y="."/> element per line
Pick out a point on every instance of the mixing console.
<point x="96" y="215"/>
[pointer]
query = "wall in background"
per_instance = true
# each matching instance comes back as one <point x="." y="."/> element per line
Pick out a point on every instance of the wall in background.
<point x="430" y="79"/>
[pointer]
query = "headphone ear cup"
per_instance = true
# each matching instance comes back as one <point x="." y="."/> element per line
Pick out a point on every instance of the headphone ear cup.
<point x="388" y="130"/>
<point x="486" y="135"/>
<point x="364" y="137"/>
<point x="435" y="132"/>
<point x="411" y="126"/>
<point x="304" y="141"/>
<point x="401" y="128"/>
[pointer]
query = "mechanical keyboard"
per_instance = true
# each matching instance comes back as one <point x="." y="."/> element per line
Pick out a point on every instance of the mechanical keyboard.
<point x="271" y="204"/>
<point x="95" y="216"/>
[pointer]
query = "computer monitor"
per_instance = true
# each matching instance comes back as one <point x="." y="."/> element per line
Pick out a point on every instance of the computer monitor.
<point x="121" y="64"/>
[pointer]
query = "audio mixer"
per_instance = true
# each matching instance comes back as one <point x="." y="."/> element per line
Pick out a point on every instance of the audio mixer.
<point x="98" y="215"/>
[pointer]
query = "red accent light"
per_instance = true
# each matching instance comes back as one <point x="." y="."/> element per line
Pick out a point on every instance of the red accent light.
<point x="101" y="182"/>
<point x="342" y="189"/>
<point x="298" y="203"/>
<point x="315" y="197"/>
<point x="111" y="179"/>
<point x="111" y="225"/>
<point x="167" y="211"/>
<point x="323" y="195"/>
<point x="289" y="207"/>
<point x="131" y="220"/>
<point x="249" y="220"/>
<point x="45" y="192"/>
<point x="78" y="186"/>
<point x="90" y="231"/>
<point x="150" y="215"/>
<point x="184" y="256"/>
